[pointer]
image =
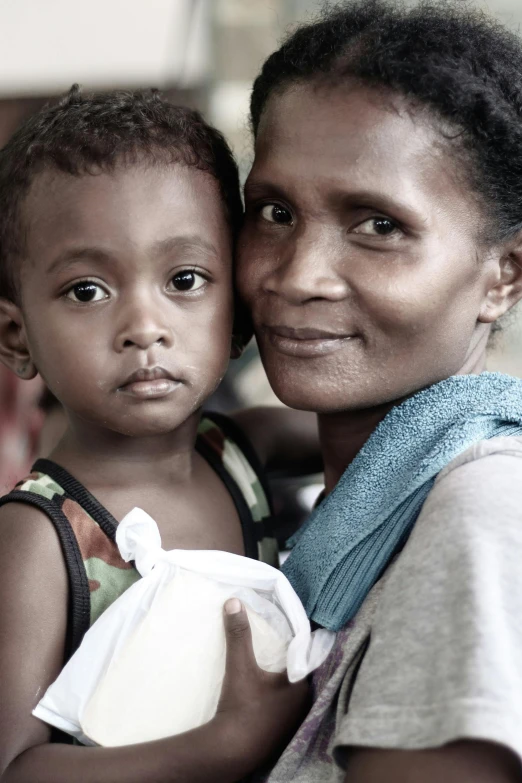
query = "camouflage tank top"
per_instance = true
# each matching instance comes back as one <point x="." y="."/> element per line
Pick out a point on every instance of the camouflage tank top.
<point x="97" y="574"/>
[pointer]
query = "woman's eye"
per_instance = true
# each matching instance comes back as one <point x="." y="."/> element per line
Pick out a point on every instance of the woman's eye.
<point x="86" y="291"/>
<point x="274" y="213"/>
<point x="377" y="226"/>
<point x="187" y="280"/>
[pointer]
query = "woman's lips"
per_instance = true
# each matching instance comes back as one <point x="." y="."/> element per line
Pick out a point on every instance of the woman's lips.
<point x="149" y="383"/>
<point x="305" y="342"/>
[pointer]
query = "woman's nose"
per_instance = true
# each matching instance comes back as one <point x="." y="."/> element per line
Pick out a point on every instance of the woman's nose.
<point x="142" y="325"/>
<point x="307" y="270"/>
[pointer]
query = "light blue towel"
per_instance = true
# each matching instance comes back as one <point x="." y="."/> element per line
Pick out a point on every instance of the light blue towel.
<point x="341" y="551"/>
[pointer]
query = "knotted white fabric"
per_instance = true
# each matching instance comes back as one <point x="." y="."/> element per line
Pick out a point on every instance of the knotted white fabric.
<point x="153" y="664"/>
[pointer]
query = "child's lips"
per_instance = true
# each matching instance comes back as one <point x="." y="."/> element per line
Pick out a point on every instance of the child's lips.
<point x="149" y="383"/>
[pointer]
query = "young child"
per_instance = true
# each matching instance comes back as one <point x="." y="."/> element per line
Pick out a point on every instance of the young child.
<point x="117" y="220"/>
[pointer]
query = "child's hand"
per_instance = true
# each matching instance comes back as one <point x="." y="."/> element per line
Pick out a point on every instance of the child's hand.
<point x="262" y="710"/>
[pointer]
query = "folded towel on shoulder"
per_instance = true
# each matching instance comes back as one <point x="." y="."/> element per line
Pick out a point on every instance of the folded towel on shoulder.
<point x="348" y="541"/>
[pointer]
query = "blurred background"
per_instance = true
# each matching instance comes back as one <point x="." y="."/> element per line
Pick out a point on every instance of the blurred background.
<point x="204" y="53"/>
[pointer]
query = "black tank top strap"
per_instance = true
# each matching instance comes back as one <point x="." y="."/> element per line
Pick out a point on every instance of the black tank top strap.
<point x="79" y="605"/>
<point x="75" y="490"/>
<point x="245" y="478"/>
<point x="245" y="517"/>
<point x="232" y="430"/>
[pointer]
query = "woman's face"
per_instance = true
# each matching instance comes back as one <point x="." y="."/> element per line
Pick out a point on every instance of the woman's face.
<point x="359" y="257"/>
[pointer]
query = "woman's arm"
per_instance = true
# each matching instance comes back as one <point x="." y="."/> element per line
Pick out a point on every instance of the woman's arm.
<point x="284" y="439"/>
<point x="459" y="762"/>
<point x="258" y="711"/>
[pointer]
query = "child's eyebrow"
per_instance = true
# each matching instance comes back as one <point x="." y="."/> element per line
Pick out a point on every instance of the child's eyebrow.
<point x="160" y="248"/>
<point x="78" y="254"/>
<point x="188" y="242"/>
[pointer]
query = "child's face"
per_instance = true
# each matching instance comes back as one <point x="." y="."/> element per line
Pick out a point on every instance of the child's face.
<point x="126" y="294"/>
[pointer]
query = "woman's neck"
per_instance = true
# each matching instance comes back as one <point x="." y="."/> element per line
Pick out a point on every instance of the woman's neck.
<point x="342" y="436"/>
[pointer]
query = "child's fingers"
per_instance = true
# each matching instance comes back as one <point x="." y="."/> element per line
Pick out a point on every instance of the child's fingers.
<point x="240" y="653"/>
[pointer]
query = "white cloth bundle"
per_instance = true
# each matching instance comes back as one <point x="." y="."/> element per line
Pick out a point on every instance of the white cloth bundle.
<point x="152" y="665"/>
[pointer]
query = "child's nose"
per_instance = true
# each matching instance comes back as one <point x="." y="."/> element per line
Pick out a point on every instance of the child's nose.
<point x="143" y="327"/>
<point x="142" y="338"/>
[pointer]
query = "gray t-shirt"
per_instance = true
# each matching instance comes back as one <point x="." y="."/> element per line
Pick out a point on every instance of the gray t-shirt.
<point x="435" y="652"/>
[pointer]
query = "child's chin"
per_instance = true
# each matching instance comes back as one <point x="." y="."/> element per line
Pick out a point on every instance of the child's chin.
<point x="148" y="428"/>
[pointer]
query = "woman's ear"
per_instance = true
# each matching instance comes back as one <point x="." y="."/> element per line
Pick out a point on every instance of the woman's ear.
<point x="236" y="346"/>
<point x="506" y="289"/>
<point x="14" y="351"/>
<point x="242" y="329"/>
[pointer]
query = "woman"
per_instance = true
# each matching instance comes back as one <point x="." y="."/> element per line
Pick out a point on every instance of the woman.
<point x="383" y="240"/>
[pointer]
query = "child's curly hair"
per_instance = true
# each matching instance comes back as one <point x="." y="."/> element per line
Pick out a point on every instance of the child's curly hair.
<point x="85" y="134"/>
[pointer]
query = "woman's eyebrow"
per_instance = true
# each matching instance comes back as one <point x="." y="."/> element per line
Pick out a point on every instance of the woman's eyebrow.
<point x="342" y="194"/>
<point x="259" y="187"/>
<point x="374" y="199"/>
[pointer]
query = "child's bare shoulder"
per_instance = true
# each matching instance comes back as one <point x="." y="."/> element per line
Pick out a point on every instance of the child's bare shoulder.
<point x="30" y="548"/>
<point x="23" y="521"/>
<point x="33" y="622"/>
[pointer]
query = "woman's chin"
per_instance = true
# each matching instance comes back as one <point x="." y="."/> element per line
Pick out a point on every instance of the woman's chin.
<point x="312" y="397"/>
<point x="335" y="396"/>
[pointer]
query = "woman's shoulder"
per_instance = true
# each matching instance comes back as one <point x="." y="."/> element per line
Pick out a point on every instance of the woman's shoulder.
<point x="506" y="451"/>
<point x="468" y="534"/>
<point x="467" y="540"/>
<point x="478" y="493"/>
<point x="444" y="661"/>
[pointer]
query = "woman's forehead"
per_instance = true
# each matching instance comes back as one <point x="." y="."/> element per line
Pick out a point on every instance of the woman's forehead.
<point x="354" y="140"/>
<point x="343" y="126"/>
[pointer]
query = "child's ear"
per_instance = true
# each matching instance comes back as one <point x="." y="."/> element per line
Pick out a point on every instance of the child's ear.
<point x="506" y="288"/>
<point x="14" y="352"/>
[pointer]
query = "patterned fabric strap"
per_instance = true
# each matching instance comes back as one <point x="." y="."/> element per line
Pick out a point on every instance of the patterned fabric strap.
<point x="97" y="573"/>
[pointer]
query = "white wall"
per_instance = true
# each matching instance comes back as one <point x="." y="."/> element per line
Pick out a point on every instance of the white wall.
<point x="45" y="45"/>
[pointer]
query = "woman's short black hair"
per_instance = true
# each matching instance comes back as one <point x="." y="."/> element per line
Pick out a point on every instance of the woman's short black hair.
<point x="85" y="134"/>
<point x="448" y="57"/>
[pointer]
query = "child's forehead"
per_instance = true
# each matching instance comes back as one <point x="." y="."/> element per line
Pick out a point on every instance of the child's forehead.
<point x="138" y="205"/>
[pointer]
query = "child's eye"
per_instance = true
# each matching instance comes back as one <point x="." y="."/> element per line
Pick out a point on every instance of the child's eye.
<point x="275" y="213"/>
<point x="376" y="226"/>
<point x="187" y="280"/>
<point x="86" y="291"/>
